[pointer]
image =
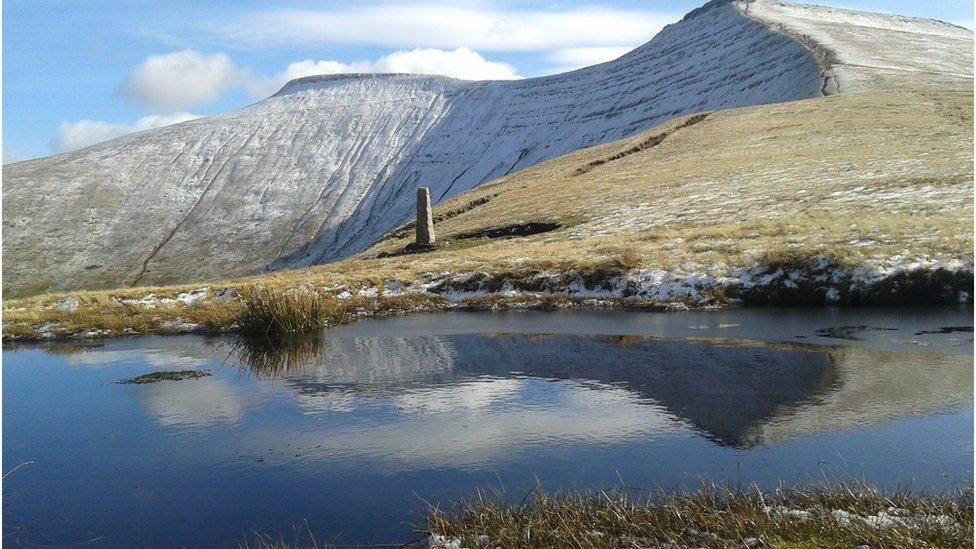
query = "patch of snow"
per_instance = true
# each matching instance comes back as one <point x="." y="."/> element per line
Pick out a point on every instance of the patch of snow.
<point x="680" y="287"/>
<point x="842" y="517"/>
<point x="179" y="326"/>
<point x="859" y="45"/>
<point x="147" y="302"/>
<point x="191" y="298"/>
<point x="368" y="292"/>
<point x="799" y="514"/>
<point x="437" y="541"/>
<point x="895" y="518"/>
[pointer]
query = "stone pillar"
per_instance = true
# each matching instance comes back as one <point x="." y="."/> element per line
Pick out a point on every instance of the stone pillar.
<point x="425" y="219"/>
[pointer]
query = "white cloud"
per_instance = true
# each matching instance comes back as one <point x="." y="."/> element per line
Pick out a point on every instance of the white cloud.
<point x="462" y="63"/>
<point x="576" y="58"/>
<point x="446" y="27"/>
<point x="180" y="80"/>
<point x="82" y="133"/>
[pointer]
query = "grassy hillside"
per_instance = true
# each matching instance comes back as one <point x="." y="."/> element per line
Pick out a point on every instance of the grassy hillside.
<point x="863" y="198"/>
<point x="864" y="177"/>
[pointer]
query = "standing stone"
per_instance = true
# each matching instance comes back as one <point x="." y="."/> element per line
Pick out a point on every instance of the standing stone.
<point x="425" y="219"/>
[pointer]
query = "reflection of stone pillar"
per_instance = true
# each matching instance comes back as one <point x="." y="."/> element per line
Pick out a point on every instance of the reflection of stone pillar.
<point x="425" y="219"/>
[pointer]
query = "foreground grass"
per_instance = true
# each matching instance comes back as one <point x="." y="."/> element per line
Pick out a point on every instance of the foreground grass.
<point x="825" y="516"/>
<point x="840" y="517"/>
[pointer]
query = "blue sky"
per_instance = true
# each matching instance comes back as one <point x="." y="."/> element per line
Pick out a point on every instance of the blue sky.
<point x="79" y="72"/>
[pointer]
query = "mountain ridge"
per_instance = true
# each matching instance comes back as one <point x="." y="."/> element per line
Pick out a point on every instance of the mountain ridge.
<point x="327" y="165"/>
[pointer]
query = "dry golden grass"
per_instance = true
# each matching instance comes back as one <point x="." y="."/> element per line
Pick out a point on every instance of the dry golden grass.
<point x="863" y="179"/>
<point x="99" y="312"/>
<point x="710" y="517"/>
<point x="271" y="312"/>
<point x="862" y="176"/>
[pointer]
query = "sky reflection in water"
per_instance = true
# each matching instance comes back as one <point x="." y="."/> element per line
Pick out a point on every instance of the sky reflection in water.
<point x="355" y="430"/>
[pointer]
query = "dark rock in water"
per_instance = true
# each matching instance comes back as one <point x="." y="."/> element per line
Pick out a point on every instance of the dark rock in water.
<point x="947" y="330"/>
<point x="153" y="377"/>
<point x="848" y="332"/>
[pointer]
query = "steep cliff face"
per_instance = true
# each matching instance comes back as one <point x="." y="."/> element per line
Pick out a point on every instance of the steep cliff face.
<point x="321" y="169"/>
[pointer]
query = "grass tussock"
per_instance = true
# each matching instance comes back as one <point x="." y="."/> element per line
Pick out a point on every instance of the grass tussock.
<point x="833" y="517"/>
<point x="275" y="313"/>
<point x="271" y="312"/>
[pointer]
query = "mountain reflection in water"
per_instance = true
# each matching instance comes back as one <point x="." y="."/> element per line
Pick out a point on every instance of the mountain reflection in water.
<point x="357" y="430"/>
<point x="737" y="394"/>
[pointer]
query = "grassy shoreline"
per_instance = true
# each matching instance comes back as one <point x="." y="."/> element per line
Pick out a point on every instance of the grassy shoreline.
<point x="276" y="305"/>
<point x="835" y="516"/>
<point x="266" y="306"/>
<point x="825" y="516"/>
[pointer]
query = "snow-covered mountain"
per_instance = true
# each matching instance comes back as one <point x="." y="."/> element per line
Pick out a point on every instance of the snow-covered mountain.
<point x="321" y="169"/>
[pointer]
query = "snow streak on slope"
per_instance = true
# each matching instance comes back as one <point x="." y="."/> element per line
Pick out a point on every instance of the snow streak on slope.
<point x="328" y="164"/>
<point x="869" y="51"/>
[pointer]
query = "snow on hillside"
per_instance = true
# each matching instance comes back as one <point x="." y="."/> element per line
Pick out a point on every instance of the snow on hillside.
<point x="870" y="51"/>
<point x="328" y="164"/>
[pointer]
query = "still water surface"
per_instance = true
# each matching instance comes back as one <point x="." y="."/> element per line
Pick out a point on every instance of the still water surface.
<point x="356" y="431"/>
